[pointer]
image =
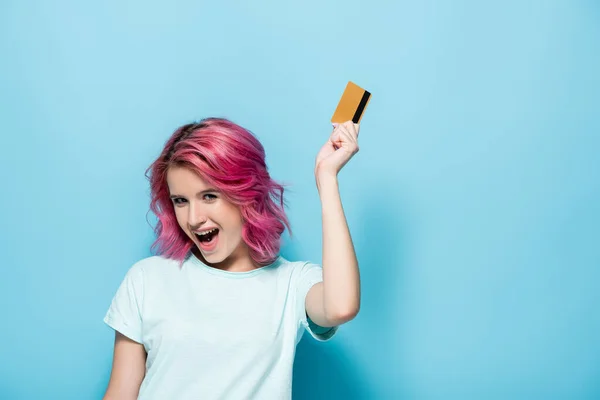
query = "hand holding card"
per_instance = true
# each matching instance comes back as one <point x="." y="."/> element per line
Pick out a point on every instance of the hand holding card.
<point x="342" y="144"/>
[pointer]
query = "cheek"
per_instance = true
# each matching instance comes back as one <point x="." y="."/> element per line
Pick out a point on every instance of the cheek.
<point x="239" y="223"/>
<point x="181" y="220"/>
<point x="234" y="219"/>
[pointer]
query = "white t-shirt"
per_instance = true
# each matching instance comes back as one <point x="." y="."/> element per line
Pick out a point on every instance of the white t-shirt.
<point x="213" y="334"/>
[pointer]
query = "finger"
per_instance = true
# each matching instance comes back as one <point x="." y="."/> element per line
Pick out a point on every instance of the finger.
<point x="347" y="142"/>
<point x="352" y="128"/>
<point x="349" y="133"/>
<point x="335" y="138"/>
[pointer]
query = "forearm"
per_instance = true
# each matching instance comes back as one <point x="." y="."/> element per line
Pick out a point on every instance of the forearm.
<point x="341" y="277"/>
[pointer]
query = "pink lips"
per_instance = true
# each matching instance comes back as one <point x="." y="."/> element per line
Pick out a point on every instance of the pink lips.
<point x="209" y="246"/>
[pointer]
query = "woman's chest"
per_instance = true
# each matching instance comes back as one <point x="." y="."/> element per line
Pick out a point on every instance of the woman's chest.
<point x="215" y="316"/>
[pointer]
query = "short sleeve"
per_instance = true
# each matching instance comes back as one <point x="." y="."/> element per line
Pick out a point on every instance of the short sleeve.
<point x="125" y="311"/>
<point x="309" y="275"/>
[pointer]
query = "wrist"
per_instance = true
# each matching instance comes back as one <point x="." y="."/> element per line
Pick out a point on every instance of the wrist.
<point x="325" y="178"/>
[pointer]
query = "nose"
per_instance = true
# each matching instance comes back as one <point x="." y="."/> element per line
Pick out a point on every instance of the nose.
<point x="196" y="216"/>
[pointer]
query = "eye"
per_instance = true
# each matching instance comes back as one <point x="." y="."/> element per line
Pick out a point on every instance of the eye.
<point x="210" y="197"/>
<point x="179" y="201"/>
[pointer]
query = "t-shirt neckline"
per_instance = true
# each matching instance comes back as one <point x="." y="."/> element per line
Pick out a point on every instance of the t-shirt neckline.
<point x="228" y="274"/>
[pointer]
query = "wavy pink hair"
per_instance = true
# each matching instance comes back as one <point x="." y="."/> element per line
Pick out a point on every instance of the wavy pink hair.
<point x="231" y="159"/>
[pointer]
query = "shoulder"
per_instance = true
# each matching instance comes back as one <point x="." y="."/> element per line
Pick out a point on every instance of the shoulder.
<point x="299" y="268"/>
<point x="151" y="266"/>
<point x="300" y="264"/>
<point x="154" y="262"/>
<point x="284" y="264"/>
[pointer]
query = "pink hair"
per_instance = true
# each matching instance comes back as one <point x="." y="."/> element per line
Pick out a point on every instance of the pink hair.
<point x="231" y="159"/>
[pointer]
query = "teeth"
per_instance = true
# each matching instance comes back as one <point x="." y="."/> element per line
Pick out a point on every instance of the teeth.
<point x="205" y="233"/>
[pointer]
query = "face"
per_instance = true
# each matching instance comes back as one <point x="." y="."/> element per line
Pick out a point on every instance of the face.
<point x="212" y="222"/>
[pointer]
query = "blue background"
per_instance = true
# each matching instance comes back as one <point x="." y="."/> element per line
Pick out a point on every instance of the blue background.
<point x="474" y="201"/>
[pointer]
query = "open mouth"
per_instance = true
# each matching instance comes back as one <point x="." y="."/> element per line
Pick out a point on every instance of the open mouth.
<point x="207" y="237"/>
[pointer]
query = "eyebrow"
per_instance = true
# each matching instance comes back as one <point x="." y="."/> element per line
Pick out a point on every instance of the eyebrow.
<point x="209" y="190"/>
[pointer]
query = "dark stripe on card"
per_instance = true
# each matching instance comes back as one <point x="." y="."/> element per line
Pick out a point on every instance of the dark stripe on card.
<point x="361" y="107"/>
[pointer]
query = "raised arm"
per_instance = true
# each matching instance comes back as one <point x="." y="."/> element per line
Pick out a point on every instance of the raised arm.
<point x="337" y="299"/>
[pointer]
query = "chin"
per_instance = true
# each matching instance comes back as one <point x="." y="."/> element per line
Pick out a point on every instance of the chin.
<point x="213" y="258"/>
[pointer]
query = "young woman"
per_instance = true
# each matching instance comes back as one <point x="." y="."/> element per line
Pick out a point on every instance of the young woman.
<point x="217" y="314"/>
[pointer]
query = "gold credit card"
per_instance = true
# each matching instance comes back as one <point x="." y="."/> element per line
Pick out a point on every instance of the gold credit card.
<point x="352" y="105"/>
